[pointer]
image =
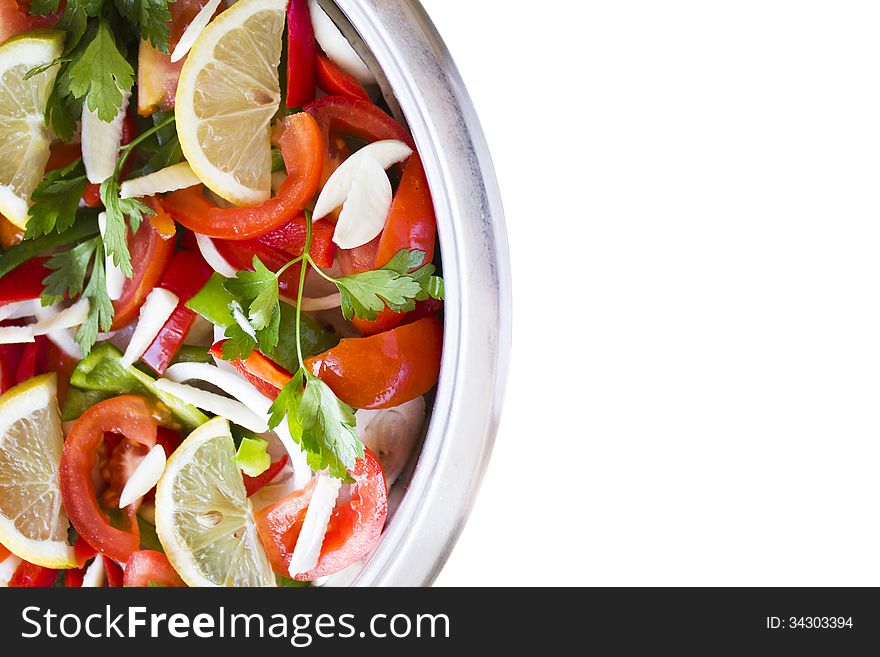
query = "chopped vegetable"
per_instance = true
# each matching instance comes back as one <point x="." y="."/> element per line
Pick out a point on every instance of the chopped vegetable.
<point x="252" y="457"/>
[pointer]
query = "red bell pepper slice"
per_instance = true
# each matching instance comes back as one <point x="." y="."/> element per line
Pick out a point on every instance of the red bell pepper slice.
<point x="185" y="276"/>
<point x="113" y="571"/>
<point x="291" y="239"/>
<point x="385" y="370"/>
<point x="82" y="551"/>
<point x="253" y="484"/>
<point x="29" y="575"/>
<point x="301" y="52"/>
<point x="10" y="356"/>
<point x="302" y="146"/>
<point x="73" y="578"/>
<point x="130" y="416"/>
<point x="264" y="374"/>
<point x="24" y="282"/>
<point x="146" y="567"/>
<point x="27" y="366"/>
<point x="336" y="82"/>
<point x="353" y="531"/>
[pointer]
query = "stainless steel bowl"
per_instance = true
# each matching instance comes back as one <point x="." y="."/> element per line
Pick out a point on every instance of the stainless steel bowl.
<point x="397" y="39"/>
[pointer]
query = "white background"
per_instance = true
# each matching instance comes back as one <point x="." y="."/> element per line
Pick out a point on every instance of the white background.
<point x="693" y="199"/>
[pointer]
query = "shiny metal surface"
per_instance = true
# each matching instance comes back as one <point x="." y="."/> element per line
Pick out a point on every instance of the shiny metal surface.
<point x="397" y="38"/>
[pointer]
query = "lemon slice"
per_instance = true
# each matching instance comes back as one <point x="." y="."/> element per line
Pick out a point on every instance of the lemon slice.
<point x="226" y="97"/>
<point x="203" y="517"/>
<point x="33" y="524"/>
<point x="24" y="139"/>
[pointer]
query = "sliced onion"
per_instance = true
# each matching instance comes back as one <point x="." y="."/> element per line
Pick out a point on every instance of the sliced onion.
<point x="366" y="208"/>
<point x="317" y="304"/>
<point x="16" y="334"/>
<point x="169" y="179"/>
<point x="336" y="46"/>
<point x="154" y="313"/>
<point x="387" y="153"/>
<point x="95" y="574"/>
<point x="232" y="410"/>
<point x="114" y="276"/>
<point x="212" y="256"/>
<point x="311" y="536"/>
<point x="100" y="142"/>
<point x="64" y="339"/>
<point x="7" y="569"/>
<point x="19" y="309"/>
<point x="144" y="478"/>
<point x="392" y="434"/>
<point x="53" y="319"/>
<point x="193" y="30"/>
<point x="302" y="471"/>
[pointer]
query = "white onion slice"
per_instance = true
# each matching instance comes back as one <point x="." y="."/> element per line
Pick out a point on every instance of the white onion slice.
<point x="336" y="46"/>
<point x="314" y="528"/>
<point x="114" y="276"/>
<point x="95" y="574"/>
<point x="100" y="142"/>
<point x="317" y="304"/>
<point x="391" y="434"/>
<point x="54" y="320"/>
<point x="212" y="256"/>
<point x="7" y="569"/>
<point x="387" y="153"/>
<point x="302" y="471"/>
<point x="366" y="209"/>
<point x="169" y="179"/>
<point x="19" y="309"/>
<point x="16" y="334"/>
<point x="144" y="478"/>
<point x="193" y="30"/>
<point x="64" y="339"/>
<point x="154" y="313"/>
<point x="232" y="410"/>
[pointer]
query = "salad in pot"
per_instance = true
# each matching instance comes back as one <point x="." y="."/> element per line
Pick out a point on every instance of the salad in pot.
<point x="219" y="306"/>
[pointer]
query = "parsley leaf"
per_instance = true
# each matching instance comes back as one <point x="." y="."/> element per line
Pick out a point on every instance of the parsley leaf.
<point x="257" y="293"/>
<point x="101" y="74"/>
<point x="322" y="424"/>
<point x="56" y="200"/>
<point x="153" y="16"/>
<point x="396" y="285"/>
<point x="100" y="307"/>
<point x="69" y="272"/>
<point x="117" y="209"/>
<point x="67" y="280"/>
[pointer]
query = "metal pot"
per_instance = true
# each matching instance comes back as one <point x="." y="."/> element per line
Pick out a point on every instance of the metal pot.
<point x="398" y="41"/>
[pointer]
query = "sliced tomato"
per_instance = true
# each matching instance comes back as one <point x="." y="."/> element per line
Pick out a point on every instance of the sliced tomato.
<point x="151" y="251"/>
<point x="14" y="19"/>
<point x="148" y="567"/>
<point x="385" y="370"/>
<point x="24" y="282"/>
<point x="29" y="575"/>
<point x="130" y="416"/>
<point x="253" y="484"/>
<point x="157" y="75"/>
<point x="301" y="52"/>
<point x="302" y="146"/>
<point x="352" y="533"/>
<point x="185" y="276"/>
<point x="336" y="82"/>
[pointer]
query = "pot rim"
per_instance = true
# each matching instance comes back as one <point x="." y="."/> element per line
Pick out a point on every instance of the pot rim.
<point x="399" y="39"/>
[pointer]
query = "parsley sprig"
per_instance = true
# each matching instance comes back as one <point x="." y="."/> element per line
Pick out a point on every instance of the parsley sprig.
<point x="55" y="206"/>
<point x="317" y="419"/>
